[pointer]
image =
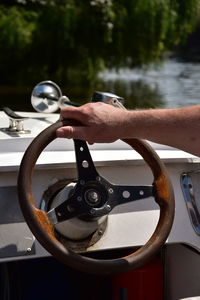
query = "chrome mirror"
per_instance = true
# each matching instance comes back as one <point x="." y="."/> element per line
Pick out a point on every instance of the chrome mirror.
<point x="45" y="97"/>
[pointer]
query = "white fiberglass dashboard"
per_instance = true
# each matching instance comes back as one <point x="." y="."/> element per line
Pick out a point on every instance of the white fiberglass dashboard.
<point x="129" y="225"/>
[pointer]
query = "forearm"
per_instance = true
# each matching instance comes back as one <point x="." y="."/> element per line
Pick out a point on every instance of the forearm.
<point x="178" y="127"/>
<point x="102" y="123"/>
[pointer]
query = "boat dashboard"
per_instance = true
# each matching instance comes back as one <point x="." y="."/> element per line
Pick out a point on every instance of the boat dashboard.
<point x="129" y="224"/>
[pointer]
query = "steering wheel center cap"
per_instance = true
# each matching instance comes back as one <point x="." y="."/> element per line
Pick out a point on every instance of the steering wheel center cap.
<point x="92" y="197"/>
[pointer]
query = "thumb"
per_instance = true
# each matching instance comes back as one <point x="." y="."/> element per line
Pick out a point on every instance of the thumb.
<point x="72" y="132"/>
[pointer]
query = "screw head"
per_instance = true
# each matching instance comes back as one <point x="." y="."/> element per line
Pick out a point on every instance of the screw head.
<point x="110" y="190"/>
<point x="108" y="207"/>
<point x="70" y="208"/>
<point x="92" y="211"/>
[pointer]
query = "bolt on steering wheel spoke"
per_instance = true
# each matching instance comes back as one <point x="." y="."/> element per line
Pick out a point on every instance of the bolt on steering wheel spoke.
<point x="122" y="194"/>
<point x="85" y="166"/>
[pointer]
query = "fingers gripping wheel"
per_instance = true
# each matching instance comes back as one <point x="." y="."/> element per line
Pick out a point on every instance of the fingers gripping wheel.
<point x="98" y="198"/>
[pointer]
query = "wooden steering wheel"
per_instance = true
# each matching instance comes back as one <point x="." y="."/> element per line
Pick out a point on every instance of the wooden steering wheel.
<point x="97" y="201"/>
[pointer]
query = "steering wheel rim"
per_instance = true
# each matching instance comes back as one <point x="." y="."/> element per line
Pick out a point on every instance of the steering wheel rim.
<point x="42" y="229"/>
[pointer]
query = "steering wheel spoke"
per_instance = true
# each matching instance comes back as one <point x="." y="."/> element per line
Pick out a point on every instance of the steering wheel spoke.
<point x="85" y="166"/>
<point x="124" y="193"/>
<point x="69" y="209"/>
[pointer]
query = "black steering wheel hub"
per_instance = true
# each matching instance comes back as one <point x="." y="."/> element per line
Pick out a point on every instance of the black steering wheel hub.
<point x="95" y="194"/>
<point x="92" y="197"/>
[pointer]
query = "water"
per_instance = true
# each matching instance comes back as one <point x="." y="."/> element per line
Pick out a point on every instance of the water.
<point x="177" y="83"/>
<point x="170" y="84"/>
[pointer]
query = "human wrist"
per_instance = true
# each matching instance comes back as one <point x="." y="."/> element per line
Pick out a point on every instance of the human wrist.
<point x="136" y="124"/>
<point x="126" y="124"/>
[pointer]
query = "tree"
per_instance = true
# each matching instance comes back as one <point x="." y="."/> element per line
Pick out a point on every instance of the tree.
<point x="71" y="40"/>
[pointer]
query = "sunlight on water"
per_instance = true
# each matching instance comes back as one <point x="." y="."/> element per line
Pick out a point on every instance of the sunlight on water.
<point x="177" y="82"/>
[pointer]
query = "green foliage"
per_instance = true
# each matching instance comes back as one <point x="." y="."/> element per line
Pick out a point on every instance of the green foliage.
<point x="148" y="28"/>
<point x="71" y="40"/>
<point x="16" y="30"/>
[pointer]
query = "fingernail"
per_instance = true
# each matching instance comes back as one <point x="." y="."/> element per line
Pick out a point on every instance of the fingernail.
<point x="60" y="133"/>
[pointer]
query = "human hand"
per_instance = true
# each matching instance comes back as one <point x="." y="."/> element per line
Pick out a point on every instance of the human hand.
<point x="101" y="123"/>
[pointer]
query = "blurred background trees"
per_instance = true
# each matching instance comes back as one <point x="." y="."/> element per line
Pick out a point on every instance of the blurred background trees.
<point x="70" y="41"/>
